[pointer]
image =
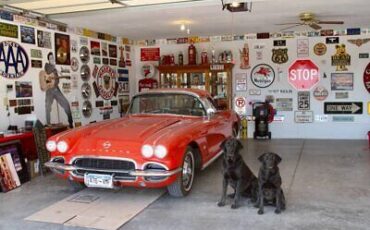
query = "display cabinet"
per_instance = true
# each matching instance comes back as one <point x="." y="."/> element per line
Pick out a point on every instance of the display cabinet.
<point x="215" y="78"/>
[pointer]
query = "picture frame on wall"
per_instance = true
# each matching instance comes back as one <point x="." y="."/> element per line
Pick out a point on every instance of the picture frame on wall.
<point x="341" y="81"/>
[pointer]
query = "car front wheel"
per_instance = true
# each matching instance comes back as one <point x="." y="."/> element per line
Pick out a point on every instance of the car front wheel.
<point x="184" y="182"/>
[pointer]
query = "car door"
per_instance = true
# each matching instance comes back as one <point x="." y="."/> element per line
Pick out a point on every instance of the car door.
<point x="214" y="130"/>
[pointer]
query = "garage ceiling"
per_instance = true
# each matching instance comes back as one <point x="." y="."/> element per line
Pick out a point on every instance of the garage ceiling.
<point x="138" y="20"/>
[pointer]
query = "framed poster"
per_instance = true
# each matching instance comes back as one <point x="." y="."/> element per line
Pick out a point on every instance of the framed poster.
<point x="28" y="35"/>
<point x="112" y="51"/>
<point x="302" y="47"/>
<point x="23" y="89"/>
<point x="43" y="39"/>
<point x="62" y="49"/>
<point x="11" y="157"/>
<point x="342" y="81"/>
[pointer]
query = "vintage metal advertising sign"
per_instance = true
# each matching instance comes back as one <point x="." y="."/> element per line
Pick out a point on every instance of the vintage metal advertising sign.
<point x="262" y="75"/>
<point x="284" y="104"/>
<point x="303" y="116"/>
<point x="359" y="42"/>
<point x="150" y="54"/>
<point x="14" y="61"/>
<point x="304" y="100"/>
<point x="280" y="56"/>
<point x="367" y="77"/>
<point x="343" y="107"/>
<point x="320" y="49"/>
<point x="332" y="40"/>
<point x="303" y="74"/>
<point x="303" y="48"/>
<point x="8" y="30"/>
<point x="279" y="42"/>
<point x="343" y="118"/>
<point x="341" y="58"/>
<point x="105" y="84"/>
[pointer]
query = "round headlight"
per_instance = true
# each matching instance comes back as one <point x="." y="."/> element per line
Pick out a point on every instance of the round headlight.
<point x="147" y="151"/>
<point x="62" y="146"/>
<point x="160" y="151"/>
<point x="51" y="146"/>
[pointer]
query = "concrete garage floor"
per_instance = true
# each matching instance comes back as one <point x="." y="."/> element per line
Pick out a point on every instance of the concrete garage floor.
<point x="326" y="185"/>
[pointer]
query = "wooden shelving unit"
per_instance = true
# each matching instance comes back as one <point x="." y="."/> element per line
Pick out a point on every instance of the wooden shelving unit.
<point x="215" y="78"/>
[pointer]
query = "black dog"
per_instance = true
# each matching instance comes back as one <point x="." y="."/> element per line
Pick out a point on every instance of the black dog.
<point x="269" y="183"/>
<point x="237" y="174"/>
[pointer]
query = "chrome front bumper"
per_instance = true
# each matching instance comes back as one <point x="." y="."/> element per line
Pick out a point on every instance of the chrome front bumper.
<point x="144" y="173"/>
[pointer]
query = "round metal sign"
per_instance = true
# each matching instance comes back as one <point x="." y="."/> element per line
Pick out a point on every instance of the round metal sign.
<point x="319" y="49"/>
<point x="367" y="77"/>
<point x="320" y="93"/>
<point x="262" y="75"/>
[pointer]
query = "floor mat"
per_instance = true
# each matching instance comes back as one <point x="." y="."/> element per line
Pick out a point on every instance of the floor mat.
<point x="97" y="208"/>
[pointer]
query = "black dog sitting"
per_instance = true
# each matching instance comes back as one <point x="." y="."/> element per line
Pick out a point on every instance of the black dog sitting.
<point x="237" y="174"/>
<point x="269" y="183"/>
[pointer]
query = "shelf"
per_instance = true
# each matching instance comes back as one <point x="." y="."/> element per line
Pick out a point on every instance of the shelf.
<point x="192" y="68"/>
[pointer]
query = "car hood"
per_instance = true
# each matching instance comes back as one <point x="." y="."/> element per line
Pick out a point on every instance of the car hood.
<point x="130" y="131"/>
<point x="134" y="128"/>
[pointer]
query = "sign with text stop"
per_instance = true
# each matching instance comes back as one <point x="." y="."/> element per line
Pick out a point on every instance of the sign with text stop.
<point x="303" y="74"/>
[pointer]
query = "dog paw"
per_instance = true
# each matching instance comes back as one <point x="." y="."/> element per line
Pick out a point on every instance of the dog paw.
<point x="277" y="211"/>
<point x="260" y="212"/>
<point x="234" y="206"/>
<point x="221" y="204"/>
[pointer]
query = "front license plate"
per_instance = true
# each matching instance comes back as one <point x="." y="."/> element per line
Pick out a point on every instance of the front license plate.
<point x="98" y="180"/>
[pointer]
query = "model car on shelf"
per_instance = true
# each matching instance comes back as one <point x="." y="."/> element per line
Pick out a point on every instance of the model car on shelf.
<point x="166" y="136"/>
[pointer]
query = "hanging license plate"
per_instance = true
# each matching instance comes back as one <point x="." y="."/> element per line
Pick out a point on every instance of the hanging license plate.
<point x="98" y="180"/>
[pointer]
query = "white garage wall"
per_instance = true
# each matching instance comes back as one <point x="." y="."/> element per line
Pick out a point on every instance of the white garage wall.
<point x="288" y="128"/>
<point x="32" y="75"/>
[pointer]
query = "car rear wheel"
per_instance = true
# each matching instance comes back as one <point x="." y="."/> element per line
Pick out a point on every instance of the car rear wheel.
<point x="184" y="182"/>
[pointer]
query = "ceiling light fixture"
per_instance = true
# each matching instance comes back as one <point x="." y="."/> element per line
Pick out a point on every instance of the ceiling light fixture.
<point x="236" y="5"/>
<point x="182" y="27"/>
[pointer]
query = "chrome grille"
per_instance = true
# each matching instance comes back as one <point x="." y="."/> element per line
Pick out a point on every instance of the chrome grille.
<point x="89" y="164"/>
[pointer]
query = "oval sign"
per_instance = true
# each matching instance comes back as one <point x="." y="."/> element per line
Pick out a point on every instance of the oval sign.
<point x="320" y="93"/>
<point x="14" y="61"/>
<point x="367" y="77"/>
<point x="262" y="75"/>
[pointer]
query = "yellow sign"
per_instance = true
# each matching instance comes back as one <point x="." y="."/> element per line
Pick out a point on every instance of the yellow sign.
<point x="8" y="30"/>
<point x="368" y="108"/>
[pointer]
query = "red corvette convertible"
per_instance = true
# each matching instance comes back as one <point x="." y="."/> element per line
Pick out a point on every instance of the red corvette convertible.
<point x="166" y="136"/>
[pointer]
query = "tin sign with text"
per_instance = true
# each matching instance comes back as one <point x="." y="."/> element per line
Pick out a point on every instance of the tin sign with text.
<point x="240" y="106"/>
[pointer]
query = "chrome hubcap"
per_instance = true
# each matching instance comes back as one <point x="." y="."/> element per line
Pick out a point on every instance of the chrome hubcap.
<point x="188" y="171"/>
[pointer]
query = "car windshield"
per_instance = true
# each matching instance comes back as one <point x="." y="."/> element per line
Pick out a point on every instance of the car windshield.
<point x="167" y="103"/>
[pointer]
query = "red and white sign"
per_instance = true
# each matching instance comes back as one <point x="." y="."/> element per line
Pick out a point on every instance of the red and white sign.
<point x="240" y="105"/>
<point x="147" y="83"/>
<point x="150" y="54"/>
<point x="105" y="84"/>
<point x="367" y="77"/>
<point x="303" y="74"/>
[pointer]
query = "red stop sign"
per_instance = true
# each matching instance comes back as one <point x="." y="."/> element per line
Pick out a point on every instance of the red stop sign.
<point x="303" y="74"/>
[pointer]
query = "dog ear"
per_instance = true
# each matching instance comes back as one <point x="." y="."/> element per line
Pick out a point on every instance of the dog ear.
<point x="261" y="158"/>
<point x="239" y="145"/>
<point x="277" y="158"/>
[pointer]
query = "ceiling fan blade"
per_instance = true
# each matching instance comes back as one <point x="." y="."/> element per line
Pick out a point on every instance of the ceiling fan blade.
<point x="117" y="2"/>
<point x="314" y="26"/>
<point x="289" y="27"/>
<point x="330" y="22"/>
<point x="289" y="23"/>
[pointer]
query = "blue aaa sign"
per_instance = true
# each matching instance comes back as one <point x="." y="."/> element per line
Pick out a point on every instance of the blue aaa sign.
<point x="14" y="61"/>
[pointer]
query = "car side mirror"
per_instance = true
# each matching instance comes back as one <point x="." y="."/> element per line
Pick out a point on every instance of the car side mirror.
<point x="210" y="113"/>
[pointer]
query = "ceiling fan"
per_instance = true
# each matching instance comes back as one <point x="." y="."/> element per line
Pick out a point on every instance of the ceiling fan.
<point x="309" y="19"/>
<point x="117" y="2"/>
